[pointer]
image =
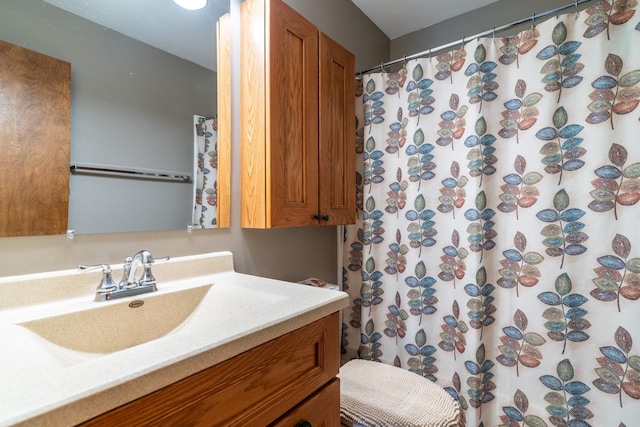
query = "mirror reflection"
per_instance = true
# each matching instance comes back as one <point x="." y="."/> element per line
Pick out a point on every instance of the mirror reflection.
<point x="141" y="99"/>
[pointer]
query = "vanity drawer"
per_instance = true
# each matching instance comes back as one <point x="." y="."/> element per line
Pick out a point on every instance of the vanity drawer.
<point x="320" y="410"/>
<point x="254" y="388"/>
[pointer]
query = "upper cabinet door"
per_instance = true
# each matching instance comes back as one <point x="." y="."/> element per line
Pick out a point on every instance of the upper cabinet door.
<point x="293" y="117"/>
<point x="337" y="133"/>
<point x="297" y="121"/>
<point x="35" y="135"/>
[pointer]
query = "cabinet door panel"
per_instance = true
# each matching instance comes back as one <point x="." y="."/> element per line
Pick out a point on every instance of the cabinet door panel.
<point x="320" y="410"/>
<point x="35" y="135"/>
<point x="337" y="133"/>
<point x="252" y="389"/>
<point x="293" y="115"/>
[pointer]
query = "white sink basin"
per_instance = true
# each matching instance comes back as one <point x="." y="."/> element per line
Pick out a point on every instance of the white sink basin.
<point x="112" y="326"/>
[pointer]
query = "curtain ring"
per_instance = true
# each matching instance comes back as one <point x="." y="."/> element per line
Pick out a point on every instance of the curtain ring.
<point x="494" y="33"/>
<point x="404" y="59"/>
<point x="382" y="67"/>
<point x="576" y="3"/>
<point x="462" y="45"/>
<point x="533" y="20"/>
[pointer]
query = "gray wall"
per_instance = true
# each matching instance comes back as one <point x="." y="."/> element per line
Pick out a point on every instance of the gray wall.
<point x="494" y="15"/>
<point x="132" y="106"/>
<point x="289" y="254"/>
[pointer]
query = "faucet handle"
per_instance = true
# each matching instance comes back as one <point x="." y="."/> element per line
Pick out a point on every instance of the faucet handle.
<point x="147" y="277"/>
<point x="106" y="284"/>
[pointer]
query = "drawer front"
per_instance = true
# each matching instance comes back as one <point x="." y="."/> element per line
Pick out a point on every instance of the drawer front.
<point x="251" y="389"/>
<point x="320" y="410"/>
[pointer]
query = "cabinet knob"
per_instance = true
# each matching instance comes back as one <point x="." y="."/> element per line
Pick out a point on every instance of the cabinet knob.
<point x="304" y="423"/>
<point x="321" y="218"/>
<point x="325" y="217"/>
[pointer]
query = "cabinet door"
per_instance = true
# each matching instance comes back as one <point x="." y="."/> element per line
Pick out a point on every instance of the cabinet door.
<point x="337" y="134"/>
<point x="292" y="98"/>
<point x="35" y="129"/>
<point x="320" y="410"/>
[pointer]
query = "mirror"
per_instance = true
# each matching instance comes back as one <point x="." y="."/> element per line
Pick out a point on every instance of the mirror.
<point x="135" y="93"/>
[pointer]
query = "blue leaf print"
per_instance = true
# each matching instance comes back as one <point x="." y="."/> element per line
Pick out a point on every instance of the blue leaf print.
<point x="513" y="332"/>
<point x="472" y="290"/>
<point x="573" y="165"/>
<point x="604" y="83"/>
<point x="513" y="413"/>
<point x="576" y="388"/>
<point x="575" y="249"/>
<point x="570" y="131"/>
<point x="548" y="215"/>
<point x="547" y="52"/>
<point x="614" y="354"/>
<point x="569" y="60"/>
<point x="471" y="69"/>
<point x="569" y="47"/>
<point x="608" y="172"/>
<point x="573" y="227"/>
<point x="448" y="115"/>
<point x="612" y="262"/>
<point x="513" y="179"/>
<point x="576" y="312"/>
<point x="574" y="300"/>
<point x="488" y="67"/>
<point x="450" y="250"/>
<point x="550" y="298"/>
<point x="572" y="214"/>
<point x="450" y="183"/>
<point x="472" y="215"/>
<point x="552" y="382"/>
<point x="577" y="336"/>
<point x="412" y="349"/>
<point x="472" y="367"/>
<point x="450" y="320"/>
<point x="513" y="255"/>
<point x="578" y="401"/>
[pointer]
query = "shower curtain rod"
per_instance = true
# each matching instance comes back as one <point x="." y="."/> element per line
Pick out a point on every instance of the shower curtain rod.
<point x="522" y="21"/>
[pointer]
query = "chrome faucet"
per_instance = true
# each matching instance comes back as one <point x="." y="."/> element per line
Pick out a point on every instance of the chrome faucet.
<point x="130" y="268"/>
<point x="128" y="285"/>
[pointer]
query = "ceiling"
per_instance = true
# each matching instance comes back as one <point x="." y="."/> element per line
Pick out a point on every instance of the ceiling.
<point x="191" y="34"/>
<point x="397" y="18"/>
<point x="188" y="34"/>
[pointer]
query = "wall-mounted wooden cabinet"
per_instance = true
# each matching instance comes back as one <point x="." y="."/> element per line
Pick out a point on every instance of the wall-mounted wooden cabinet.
<point x="297" y="121"/>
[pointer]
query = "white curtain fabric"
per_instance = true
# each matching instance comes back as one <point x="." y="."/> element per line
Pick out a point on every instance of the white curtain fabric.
<point x="206" y="186"/>
<point x="498" y="246"/>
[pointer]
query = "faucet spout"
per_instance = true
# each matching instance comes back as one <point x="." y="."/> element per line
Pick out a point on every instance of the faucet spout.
<point x="131" y="267"/>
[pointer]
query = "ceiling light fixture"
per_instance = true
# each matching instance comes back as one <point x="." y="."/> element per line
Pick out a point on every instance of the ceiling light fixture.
<point x="191" y="4"/>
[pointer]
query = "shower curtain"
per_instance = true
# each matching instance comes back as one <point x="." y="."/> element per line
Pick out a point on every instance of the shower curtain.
<point x="497" y="251"/>
<point x="206" y="172"/>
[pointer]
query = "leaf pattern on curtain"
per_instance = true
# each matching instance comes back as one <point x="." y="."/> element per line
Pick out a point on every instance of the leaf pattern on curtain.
<point x="497" y="251"/>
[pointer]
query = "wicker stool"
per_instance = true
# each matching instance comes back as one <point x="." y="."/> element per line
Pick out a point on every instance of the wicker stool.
<point x="378" y="395"/>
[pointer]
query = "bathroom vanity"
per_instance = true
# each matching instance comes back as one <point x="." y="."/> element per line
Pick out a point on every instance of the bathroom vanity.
<point x="210" y="347"/>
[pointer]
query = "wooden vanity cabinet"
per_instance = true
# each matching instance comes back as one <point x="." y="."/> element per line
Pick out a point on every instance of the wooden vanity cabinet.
<point x="282" y="382"/>
<point x="297" y="121"/>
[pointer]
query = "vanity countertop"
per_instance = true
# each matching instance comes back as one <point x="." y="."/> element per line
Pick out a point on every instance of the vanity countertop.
<point x="242" y="312"/>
